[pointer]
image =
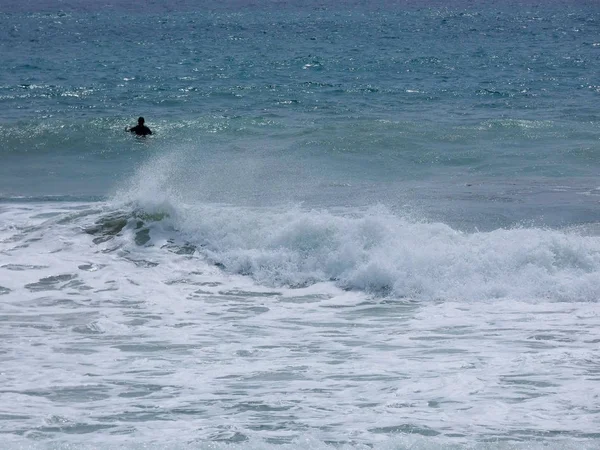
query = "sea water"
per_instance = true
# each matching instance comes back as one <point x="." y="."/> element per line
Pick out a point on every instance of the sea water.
<point x="357" y="225"/>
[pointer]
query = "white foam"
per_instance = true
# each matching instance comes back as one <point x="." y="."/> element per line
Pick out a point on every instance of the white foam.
<point x="153" y="346"/>
<point x="380" y="252"/>
<point x="374" y="251"/>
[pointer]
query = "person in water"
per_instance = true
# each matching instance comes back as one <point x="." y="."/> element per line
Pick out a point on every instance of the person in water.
<point x="140" y="129"/>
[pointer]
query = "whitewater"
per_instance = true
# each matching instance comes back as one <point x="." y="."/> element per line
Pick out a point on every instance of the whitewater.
<point x="172" y="325"/>
<point x="354" y="226"/>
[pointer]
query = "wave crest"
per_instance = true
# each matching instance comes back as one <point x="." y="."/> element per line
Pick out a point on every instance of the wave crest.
<point x="383" y="253"/>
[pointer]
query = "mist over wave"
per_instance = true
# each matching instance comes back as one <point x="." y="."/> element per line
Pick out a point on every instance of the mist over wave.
<point x="371" y="249"/>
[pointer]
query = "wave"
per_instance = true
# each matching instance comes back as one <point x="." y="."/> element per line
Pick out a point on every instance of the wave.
<point x="374" y="250"/>
<point x="371" y="249"/>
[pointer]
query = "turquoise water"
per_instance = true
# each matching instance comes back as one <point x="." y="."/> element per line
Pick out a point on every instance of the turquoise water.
<point x="478" y="102"/>
<point x="370" y="225"/>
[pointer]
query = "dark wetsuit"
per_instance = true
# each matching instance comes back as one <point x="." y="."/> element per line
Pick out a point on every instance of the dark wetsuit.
<point x="141" y="130"/>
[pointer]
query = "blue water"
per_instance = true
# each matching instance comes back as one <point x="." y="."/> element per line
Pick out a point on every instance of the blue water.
<point x="479" y="102"/>
<point x="438" y="156"/>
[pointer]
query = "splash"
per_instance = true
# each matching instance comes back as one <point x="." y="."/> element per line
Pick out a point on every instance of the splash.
<point x="373" y="250"/>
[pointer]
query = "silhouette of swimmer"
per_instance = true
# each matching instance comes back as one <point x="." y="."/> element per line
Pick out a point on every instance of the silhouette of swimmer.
<point x="140" y="129"/>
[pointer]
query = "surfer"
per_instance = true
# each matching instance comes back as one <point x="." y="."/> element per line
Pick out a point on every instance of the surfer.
<point x="140" y="129"/>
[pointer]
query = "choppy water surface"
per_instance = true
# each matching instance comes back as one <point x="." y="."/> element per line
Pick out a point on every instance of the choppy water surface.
<point x="356" y="226"/>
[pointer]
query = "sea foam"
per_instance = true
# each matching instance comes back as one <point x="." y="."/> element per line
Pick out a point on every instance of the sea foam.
<point x="384" y="253"/>
<point x="376" y="250"/>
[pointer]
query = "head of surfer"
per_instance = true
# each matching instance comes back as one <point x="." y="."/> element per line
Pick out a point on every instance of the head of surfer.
<point x="141" y="121"/>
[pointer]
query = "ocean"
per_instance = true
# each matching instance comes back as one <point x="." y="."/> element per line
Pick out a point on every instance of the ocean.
<point x="356" y="225"/>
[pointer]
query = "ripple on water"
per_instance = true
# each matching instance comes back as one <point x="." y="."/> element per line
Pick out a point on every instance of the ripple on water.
<point x="21" y="267"/>
<point x="50" y="283"/>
